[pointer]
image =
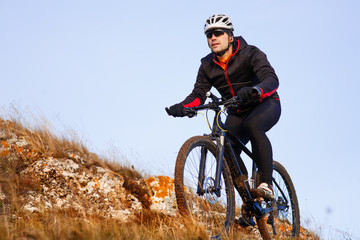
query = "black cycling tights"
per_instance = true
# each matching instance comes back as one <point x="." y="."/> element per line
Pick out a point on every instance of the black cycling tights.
<point x="253" y="126"/>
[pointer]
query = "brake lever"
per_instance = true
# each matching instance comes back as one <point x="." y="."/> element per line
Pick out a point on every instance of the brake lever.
<point x="232" y="102"/>
<point x="189" y="112"/>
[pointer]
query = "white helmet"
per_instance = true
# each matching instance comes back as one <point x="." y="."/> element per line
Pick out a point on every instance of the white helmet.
<point x="218" y="21"/>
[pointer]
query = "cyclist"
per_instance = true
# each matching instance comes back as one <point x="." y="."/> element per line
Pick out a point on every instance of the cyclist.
<point x="235" y="68"/>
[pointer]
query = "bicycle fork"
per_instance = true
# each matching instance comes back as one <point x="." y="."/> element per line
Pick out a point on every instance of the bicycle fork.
<point x="219" y="164"/>
<point x="201" y="177"/>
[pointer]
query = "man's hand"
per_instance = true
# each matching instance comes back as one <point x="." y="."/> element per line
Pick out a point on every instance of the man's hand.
<point x="248" y="93"/>
<point x="176" y="110"/>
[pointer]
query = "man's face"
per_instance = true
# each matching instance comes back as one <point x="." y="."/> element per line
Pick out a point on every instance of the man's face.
<point x="218" y="40"/>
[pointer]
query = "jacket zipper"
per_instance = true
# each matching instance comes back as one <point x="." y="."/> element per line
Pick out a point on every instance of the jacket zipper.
<point x="226" y="65"/>
<point x="226" y="77"/>
<point x="228" y="80"/>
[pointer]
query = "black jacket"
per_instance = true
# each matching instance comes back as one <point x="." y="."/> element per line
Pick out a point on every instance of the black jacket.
<point x="247" y="66"/>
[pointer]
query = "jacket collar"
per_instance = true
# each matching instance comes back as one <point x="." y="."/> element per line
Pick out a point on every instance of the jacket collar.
<point x="239" y="43"/>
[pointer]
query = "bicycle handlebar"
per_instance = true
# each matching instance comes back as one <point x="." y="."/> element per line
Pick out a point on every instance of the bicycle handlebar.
<point x="216" y="102"/>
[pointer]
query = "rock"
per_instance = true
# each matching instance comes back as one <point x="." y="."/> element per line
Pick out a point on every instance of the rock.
<point x="65" y="184"/>
<point x="163" y="198"/>
<point x="52" y="183"/>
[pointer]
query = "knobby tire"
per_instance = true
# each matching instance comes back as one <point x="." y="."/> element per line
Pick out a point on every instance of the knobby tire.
<point x="215" y="214"/>
<point x="286" y="222"/>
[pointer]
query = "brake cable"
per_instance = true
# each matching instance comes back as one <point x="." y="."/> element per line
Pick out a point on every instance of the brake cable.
<point x="206" y="119"/>
<point x="217" y="119"/>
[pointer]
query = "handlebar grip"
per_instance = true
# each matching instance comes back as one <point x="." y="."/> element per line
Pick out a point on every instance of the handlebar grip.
<point x="185" y="112"/>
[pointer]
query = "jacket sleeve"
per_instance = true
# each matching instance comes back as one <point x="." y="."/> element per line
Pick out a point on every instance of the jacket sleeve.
<point x="269" y="81"/>
<point x="198" y="94"/>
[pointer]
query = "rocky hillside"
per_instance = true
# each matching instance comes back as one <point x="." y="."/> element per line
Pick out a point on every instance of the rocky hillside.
<point x="40" y="173"/>
<point x="53" y="188"/>
<point x="69" y="182"/>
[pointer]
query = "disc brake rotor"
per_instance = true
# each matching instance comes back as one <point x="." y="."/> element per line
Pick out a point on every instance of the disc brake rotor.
<point x="210" y="190"/>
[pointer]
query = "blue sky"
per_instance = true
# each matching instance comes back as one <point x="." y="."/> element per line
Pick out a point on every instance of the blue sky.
<point x="107" y="69"/>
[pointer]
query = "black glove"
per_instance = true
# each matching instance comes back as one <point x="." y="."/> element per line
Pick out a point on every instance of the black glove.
<point x="248" y="93"/>
<point x="176" y="110"/>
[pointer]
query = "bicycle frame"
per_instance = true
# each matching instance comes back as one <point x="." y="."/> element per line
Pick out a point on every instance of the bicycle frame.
<point x="219" y="135"/>
<point x="222" y="137"/>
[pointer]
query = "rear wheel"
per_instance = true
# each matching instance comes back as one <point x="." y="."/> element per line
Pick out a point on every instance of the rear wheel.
<point x="284" y="221"/>
<point x="195" y="189"/>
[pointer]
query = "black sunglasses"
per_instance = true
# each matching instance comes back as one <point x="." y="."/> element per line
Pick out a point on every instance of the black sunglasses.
<point x="217" y="33"/>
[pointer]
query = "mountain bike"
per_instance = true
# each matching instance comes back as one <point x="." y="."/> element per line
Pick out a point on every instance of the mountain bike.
<point x="207" y="171"/>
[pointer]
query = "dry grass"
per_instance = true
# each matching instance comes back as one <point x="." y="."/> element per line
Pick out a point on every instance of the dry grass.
<point x="69" y="225"/>
<point x="45" y="143"/>
<point x="149" y="225"/>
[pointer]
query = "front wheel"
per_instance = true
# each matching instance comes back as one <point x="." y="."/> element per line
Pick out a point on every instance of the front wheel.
<point x="195" y="191"/>
<point x="284" y="220"/>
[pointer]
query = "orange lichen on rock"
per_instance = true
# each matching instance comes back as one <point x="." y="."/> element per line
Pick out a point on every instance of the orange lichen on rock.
<point x="97" y="184"/>
<point x="4" y="153"/>
<point x="19" y="150"/>
<point x="162" y="185"/>
<point x="5" y="144"/>
<point x="282" y="228"/>
<point x="162" y="194"/>
<point x="149" y="180"/>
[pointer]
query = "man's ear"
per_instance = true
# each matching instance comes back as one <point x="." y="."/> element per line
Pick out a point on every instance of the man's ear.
<point x="231" y="39"/>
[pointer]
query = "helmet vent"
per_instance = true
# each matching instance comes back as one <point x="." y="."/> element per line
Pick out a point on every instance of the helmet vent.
<point x="218" y="21"/>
